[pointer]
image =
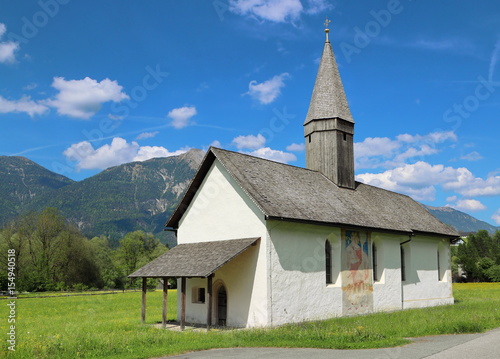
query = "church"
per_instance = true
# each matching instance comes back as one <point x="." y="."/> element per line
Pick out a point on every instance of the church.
<point x="262" y="243"/>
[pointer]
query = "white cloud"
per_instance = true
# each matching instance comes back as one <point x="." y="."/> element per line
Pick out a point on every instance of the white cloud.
<point x="270" y="10"/>
<point x="443" y="44"/>
<point x="468" y="205"/>
<point x="496" y="216"/>
<point x="273" y="155"/>
<point x="7" y="48"/>
<point x="317" y="6"/>
<point x="296" y="147"/>
<point x="116" y="153"/>
<point x="493" y="61"/>
<point x="25" y="104"/>
<point x="376" y="146"/>
<point x="416" y="180"/>
<point x="8" y="51"/>
<point x="420" y="179"/>
<point x="386" y="180"/>
<point x="467" y="185"/>
<point x="83" y="98"/>
<point x="473" y="156"/>
<point x="181" y="116"/>
<point x="249" y="142"/>
<point x="267" y="91"/>
<point x="144" y="135"/>
<point x="423" y="174"/>
<point x="30" y="86"/>
<point x="148" y="152"/>
<point x="433" y="137"/>
<point x="390" y="153"/>
<point x="412" y="152"/>
<point x="215" y="144"/>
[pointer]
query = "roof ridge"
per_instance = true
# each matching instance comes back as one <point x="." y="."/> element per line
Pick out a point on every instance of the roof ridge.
<point x="263" y="159"/>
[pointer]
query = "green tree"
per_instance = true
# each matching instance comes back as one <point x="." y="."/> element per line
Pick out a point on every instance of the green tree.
<point x="479" y="256"/>
<point x="51" y="253"/>
<point x="135" y="250"/>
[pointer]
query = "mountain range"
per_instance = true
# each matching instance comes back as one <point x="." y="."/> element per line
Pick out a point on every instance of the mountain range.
<point x="128" y="197"/>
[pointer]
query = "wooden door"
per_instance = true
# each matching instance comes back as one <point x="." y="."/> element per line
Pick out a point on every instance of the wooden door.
<point x="221" y="306"/>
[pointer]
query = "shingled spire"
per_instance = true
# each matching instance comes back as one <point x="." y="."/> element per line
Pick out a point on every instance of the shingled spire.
<point x="329" y="126"/>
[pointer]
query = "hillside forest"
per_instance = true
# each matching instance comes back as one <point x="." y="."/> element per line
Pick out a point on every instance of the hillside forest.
<point x="52" y="254"/>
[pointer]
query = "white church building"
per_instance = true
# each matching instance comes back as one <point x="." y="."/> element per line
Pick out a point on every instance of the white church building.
<point x="262" y="243"/>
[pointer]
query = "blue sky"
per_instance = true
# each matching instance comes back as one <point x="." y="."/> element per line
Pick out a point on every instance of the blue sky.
<point x="89" y="85"/>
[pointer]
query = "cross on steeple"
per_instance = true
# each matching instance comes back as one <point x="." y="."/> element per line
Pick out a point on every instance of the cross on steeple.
<point x="327" y="30"/>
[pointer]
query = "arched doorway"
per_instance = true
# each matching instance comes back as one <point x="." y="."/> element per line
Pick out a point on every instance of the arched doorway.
<point x="221" y="306"/>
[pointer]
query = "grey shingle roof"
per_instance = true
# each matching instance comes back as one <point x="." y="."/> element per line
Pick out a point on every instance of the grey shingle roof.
<point x="194" y="259"/>
<point x="328" y="99"/>
<point x="297" y="194"/>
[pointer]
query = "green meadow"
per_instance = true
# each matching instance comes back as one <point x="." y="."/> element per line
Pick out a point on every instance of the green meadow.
<point x="108" y="326"/>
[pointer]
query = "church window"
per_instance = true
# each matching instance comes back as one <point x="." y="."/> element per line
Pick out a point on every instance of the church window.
<point x="328" y="262"/>
<point x="198" y="295"/>
<point x="441" y="262"/>
<point x="345" y="136"/>
<point x="403" y="264"/>
<point x="439" y="266"/>
<point x="309" y="138"/>
<point x="375" y="262"/>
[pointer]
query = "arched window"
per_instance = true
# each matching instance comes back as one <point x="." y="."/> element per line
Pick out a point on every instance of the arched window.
<point x="403" y="264"/>
<point x="375" y="262"/>
<point x="328" y="262"/>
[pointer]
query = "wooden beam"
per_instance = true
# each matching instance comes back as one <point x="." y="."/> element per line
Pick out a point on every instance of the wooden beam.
<point x="209" y="301"/>
<point x="143" y="311"/>
<point x="165" y="303"/>
<point x="183" y="303"/>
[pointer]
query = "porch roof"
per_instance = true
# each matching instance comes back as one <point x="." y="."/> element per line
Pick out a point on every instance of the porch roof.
<point x="199" y="259"/>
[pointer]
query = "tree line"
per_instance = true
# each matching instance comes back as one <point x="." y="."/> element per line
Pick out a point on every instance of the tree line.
<point x="477" y="258"/>
<point x="51" y="254"/>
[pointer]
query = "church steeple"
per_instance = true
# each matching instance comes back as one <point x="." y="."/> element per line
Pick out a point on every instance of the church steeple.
<point x="329" y="126"/>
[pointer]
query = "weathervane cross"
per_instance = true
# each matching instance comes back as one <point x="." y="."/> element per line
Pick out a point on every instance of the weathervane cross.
<point x="327" y="23"/>
<point x="327" y="30"/>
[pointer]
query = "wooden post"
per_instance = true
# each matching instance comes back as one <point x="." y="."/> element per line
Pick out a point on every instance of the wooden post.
<point x="209" y="301"/>
<point x="183" y="303"/>
<point x="165" y="297"/>
<point x="143" y="312"/>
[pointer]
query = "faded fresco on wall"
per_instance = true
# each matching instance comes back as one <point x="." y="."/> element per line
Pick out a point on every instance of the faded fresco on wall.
<point x="357" y="285"/>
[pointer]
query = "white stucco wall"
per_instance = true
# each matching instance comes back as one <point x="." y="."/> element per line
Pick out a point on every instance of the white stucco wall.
<point x="221" y="210"/>
<point x="423" y="286"/>
<point x="298" y="288"/>
<point x="387" y="291"/>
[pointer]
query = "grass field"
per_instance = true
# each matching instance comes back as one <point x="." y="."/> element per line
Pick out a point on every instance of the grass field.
<point x="108" y="326"/>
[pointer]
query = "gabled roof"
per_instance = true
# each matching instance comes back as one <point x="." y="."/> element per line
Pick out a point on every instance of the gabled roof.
<point x="328" y="99"/>
<point x="291" y="193"/>
<point x="194" y="259"/>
